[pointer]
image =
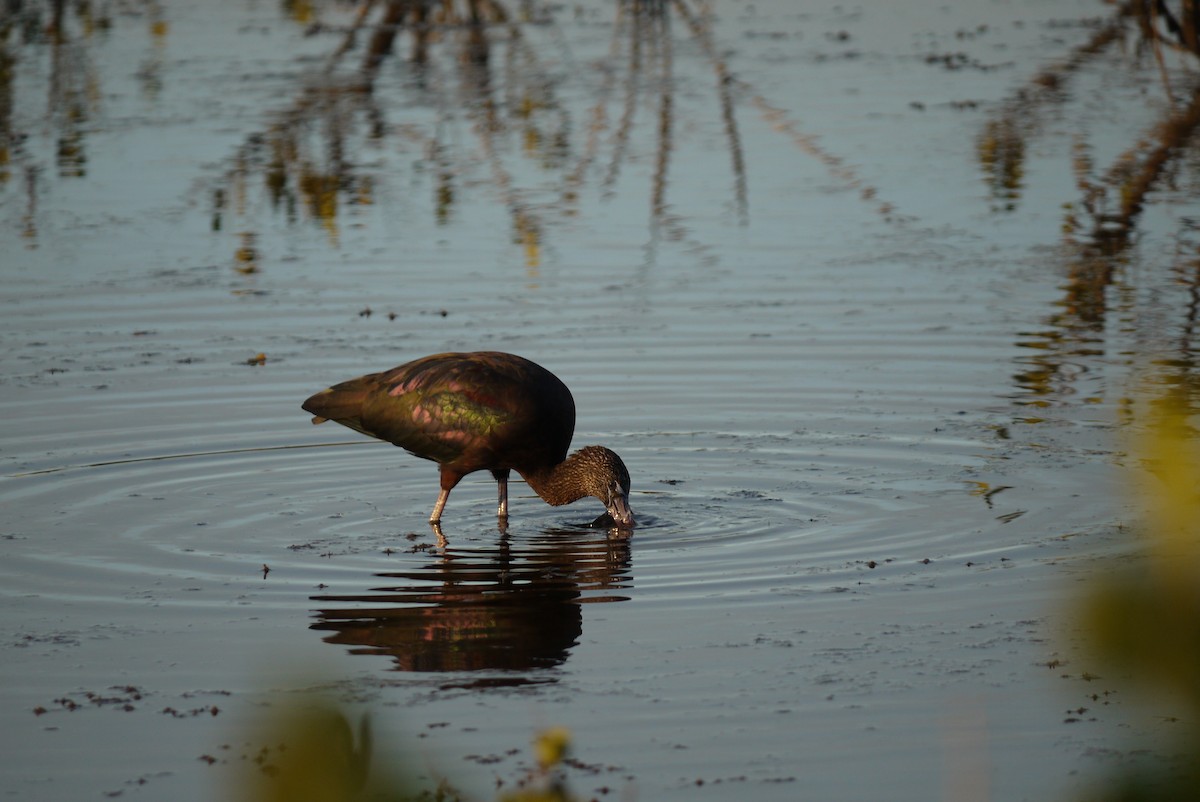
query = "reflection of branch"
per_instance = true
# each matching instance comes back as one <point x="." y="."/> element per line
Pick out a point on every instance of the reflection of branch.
<point x="1179" y="369"/>
<point x="477" y="84"/>
<point x="1001" y="144"/>
<point x="29" y="229"/>
<point x="351" y="35"/>
<point x="703" y="34"/>
<point x="1191" y="279"/>
<point x="598" y="123"/>
<point x="503" y="91"/>
<point x="1080" y="320"/>
<point x="385" y="33"/>
<point x="332" y="101"/>
<point x="808" y="143"/>
<point x="1075" y="332"/>
<point x="631" y="84"/>
<point x="777" y="118"/>
<point x="1186" y="34"/>
<point x="1136" y="170"/>
<point x="1148" y="28"/>
<point x="55" y="28"/>
<point x="74" y="93"/>
<point x="666" y="93"/>
<point x="1045" y="86"/>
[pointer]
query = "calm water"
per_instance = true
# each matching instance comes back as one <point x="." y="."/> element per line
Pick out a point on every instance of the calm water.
<point x="869" y="384"/>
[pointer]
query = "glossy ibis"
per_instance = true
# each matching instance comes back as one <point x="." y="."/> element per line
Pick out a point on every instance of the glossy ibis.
<point x="483" y="410"/>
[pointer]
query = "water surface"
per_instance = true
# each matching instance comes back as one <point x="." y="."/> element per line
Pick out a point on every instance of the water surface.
<point x="868" y="385"/>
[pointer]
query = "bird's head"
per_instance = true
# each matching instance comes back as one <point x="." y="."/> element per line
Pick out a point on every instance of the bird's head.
<point x="607" y="479"/>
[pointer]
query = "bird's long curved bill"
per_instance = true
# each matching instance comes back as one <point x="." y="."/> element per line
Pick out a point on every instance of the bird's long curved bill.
<point x="619" y="510"/>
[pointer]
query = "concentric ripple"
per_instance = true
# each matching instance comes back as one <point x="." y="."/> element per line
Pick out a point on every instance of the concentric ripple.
<point x="340" y="527"/>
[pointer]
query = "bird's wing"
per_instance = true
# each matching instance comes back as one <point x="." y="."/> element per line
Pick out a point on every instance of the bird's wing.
<point x="439" y="411"/>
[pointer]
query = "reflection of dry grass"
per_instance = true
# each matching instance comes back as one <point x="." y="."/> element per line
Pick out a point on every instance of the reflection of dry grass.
<point x="1101" y="225"/>
<point x="1113" y="201"/>
<point x="1001" y="146"/>
<point x="808" y="143"/>
<point x="504" y="90"/>
<point x="642" y="42"/>
<point x="478" y="61"/>
<point x="725" y="84"/>
<point x="73" y="98"/>
<point x="295" y="175"/>
<point x="307" y="157"/>
<point x="778" y="118"/>
<point x="1137" y="170"/>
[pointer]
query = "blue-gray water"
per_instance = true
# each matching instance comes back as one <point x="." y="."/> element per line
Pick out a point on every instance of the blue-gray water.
<point x="869" y="395"/>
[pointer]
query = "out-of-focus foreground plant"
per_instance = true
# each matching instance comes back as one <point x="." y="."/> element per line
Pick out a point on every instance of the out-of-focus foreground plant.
<point x="1143" y="620"/>
<point x="311" y="752"/>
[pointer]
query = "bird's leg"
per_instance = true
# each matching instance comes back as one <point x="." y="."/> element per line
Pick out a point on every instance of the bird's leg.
<point x="436" y="515"/>
<point x="449" y="479"/>
<point x="437" y="530"/>
<point x="501" y="477"/>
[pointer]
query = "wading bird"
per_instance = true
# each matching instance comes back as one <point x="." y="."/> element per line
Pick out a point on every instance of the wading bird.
<point x="484" y="410"/>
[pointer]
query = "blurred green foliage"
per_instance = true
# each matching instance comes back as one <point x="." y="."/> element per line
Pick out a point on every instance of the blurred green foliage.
<point x="312" y="752"/>
<point x="1142" y="619"/>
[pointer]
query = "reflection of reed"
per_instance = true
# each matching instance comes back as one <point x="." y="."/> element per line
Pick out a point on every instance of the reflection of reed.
<point x="478" y="89"/>
<point x="658" y="193"/>
<point x="1161" y="26"/>
<point x="809" y="144"/>
<point x="1001" y="145"/>
<point x="633" y="76"/>
<point x="508" y="608"/>
<point x="777" y="117"/>
<point x="1073" y="335"/>
<point x="1057" y="354"/>
<point x="307" y="156"/>
<point x="295" y="177"/>
<point x="642" y="28"/>
<point x="1110" y="203"/>
<point x="73" y="97"/>
<point x="1139" y="167"/>
<point x="1181" y="371"/>
<point x="725" y="83"/>
<point x="502" y="89"/>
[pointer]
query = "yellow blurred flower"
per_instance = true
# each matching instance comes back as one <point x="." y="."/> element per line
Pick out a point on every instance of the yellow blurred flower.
<point x="551" y="746"/>
<point x="1144" y="618"/>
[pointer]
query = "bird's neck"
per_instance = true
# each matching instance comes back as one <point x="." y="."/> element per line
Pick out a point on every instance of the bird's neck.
<point x="559" y="484"/>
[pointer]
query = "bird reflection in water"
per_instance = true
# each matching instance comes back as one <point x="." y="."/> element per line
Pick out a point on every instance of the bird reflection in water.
<point x="504" y="607"/>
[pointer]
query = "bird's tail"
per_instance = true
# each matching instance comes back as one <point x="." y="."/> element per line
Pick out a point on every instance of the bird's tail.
<point x="341" y="402"/>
